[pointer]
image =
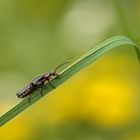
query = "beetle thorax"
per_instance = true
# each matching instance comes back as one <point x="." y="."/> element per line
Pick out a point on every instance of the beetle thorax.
<point x="50" y="73"/>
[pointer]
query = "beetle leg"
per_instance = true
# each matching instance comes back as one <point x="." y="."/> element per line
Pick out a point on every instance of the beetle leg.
<point x="29" y="98"/>
<point x="50" y="83"/>
<point x="41" y="92"/>
<point x="40" y="85"/>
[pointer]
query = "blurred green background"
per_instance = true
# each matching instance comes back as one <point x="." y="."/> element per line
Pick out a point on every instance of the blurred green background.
<point x="99" y="103"/>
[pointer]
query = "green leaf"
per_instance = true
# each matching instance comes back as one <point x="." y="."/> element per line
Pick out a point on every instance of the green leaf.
<point x="82" y="62"/>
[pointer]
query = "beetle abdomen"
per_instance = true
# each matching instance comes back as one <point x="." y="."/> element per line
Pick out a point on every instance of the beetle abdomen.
<point x="24" y="94"/>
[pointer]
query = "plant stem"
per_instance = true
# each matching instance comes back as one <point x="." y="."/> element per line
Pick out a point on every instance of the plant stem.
<point x="82" y="62"/>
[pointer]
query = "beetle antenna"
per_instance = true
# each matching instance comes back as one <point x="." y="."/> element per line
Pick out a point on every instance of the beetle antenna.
<point x="61" y="65"/>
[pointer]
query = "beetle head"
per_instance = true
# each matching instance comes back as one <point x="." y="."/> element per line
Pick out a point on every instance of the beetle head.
<point x="50" y="73"/>
<point x="53" y="73"/>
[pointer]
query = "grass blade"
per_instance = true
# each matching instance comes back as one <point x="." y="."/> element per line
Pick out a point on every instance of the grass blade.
<point x="82" y="62"/>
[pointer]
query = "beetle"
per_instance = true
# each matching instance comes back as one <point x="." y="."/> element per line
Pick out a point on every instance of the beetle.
<point x="38" y="82"/>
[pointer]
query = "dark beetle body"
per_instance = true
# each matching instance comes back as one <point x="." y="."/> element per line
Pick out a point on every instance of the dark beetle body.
<point x="37" y="82"/>
<point x="28" y="88"/>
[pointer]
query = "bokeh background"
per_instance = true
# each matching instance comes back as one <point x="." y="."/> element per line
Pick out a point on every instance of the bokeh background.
<point x="102" y="101"/>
